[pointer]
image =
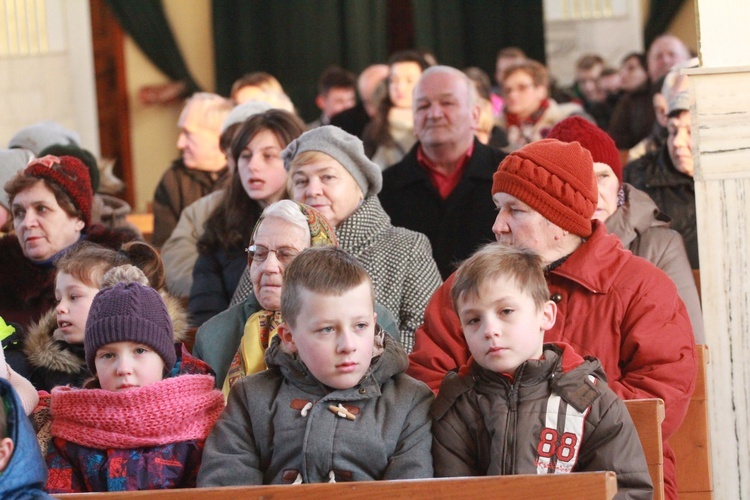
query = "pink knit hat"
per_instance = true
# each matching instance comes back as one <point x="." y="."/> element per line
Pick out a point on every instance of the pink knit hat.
<point x="600" y="145"/>
<point x="71" y="175"/>
<point x="554" y="178"/>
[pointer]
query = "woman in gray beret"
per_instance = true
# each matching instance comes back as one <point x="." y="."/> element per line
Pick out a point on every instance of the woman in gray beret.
<point x="329" y="171"/>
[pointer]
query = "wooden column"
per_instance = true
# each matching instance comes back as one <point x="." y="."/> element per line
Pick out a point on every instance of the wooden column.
<point x="721" y="148"/>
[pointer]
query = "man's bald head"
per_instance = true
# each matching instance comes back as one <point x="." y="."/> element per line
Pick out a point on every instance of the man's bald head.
<point x="665" y="52"/>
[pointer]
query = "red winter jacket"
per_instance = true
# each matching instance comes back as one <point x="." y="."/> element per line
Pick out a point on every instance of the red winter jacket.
<point x="610" y="304"/>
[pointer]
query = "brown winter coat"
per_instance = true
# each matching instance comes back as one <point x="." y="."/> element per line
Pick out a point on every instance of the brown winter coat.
<point x="557" y="416"/>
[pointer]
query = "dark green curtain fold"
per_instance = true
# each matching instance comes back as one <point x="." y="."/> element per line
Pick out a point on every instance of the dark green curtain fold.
<point x="469" y="32"/>
<point x="660" y="16"/>
<point x="295" y="40"/>
<point x="146" y="22"/>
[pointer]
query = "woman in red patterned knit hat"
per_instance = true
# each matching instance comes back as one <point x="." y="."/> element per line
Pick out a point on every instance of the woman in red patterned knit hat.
<point x="50" y="202"/>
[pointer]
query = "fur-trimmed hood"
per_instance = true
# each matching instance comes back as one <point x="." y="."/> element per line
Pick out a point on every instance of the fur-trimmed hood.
<point x="46" y="348"/>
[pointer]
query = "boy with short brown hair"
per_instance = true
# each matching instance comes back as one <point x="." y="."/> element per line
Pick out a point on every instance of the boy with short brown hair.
<point x="335" y="403"/>
<point x="522" y="406"/>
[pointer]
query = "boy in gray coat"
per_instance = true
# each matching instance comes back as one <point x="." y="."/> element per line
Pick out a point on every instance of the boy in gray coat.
<point x="335" y="403"/>
<point x="521" y="406"/>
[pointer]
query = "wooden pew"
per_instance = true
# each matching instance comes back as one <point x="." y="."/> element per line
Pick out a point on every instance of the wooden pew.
<point x="691" y="443"/>
<point x="584" y="485"/>
<point x="647" y="415"/>
<point x="144" y="223"/>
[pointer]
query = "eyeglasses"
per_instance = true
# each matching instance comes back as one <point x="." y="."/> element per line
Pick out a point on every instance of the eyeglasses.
<point x="259" y="253"/>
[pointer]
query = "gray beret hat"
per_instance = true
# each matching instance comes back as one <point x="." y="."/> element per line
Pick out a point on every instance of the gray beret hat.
<point x="41" y="135"/>
<point x="342" y="147"/>
<point x="243" y="111"/>
<point x="12" y="161"/>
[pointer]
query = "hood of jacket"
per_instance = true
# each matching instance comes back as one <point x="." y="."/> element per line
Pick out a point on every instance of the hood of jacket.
<point x="605" y="249"/>
<point x="392" y="360"/>
<point x="638" y="214"/>
<point x="26" y="473"/>
<point x="46" y="348"/>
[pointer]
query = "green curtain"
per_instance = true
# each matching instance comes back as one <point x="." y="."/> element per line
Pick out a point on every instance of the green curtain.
<point x="295" y="40"/>
<point x="660" y="16"/>
<point x="470" y="32"/>
<point x="146" y="23"/>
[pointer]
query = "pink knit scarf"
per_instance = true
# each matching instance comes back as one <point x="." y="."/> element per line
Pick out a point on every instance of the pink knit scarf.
<point x="175" y="409"/>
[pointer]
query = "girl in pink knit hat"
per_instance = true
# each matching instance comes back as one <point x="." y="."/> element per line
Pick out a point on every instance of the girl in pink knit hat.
<point x="140" y="423"/>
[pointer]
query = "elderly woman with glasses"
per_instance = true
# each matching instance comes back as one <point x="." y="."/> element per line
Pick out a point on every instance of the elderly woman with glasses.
<point x="233" y="342"/>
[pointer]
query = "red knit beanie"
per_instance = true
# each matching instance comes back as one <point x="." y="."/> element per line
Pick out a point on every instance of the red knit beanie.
<point x="71" y="175"/>
<point x="554" y="178"/>
<point x="600" y="145"/>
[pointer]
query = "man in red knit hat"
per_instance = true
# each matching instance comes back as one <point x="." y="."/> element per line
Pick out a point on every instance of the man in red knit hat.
<point x="612" y="305"/>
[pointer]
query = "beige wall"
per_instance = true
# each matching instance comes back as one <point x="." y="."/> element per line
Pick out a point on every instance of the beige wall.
<point x="27" y="92"/>
<point x="684" y="24"/>
<point x="153" y="129"/>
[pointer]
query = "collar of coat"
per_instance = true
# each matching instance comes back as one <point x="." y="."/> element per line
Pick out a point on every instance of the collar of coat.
<point x="565" y="371"/>
<point x="481" y="166"/>
<point x="596" y="263"/>
<point x="364" y="226"/>
<point x="391" y="362"/>
<point x="637" y="215"/>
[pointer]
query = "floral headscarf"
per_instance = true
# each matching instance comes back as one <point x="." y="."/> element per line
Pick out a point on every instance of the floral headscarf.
<point x="321" y="231"/>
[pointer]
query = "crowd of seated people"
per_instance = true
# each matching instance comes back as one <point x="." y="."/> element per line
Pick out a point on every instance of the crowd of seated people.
<point x="449" y="278"/>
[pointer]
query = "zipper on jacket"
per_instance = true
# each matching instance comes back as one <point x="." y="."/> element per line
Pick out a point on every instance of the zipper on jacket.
<point x="509" y="465"/>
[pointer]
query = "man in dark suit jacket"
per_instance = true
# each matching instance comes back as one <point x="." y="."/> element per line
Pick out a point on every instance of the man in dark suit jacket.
<point x="442" y="187"/>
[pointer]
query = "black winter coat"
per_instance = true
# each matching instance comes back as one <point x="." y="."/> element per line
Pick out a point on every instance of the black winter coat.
<point x="672" y="191"/>
<point x="456" y="226"/>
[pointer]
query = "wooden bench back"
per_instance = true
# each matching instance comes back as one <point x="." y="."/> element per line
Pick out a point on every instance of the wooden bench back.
<point x="647" y="415"/>
<point x="144" y="223"/>
<point x="691" y="443"/>
<point x="584" y="485"/>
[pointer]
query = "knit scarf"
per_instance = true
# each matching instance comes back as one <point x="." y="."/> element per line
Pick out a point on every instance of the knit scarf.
<point x="260" y="328"/>
<point x="515" y="120"/>
<point x="50" y="262"/>
<point x="176" y="409"/>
